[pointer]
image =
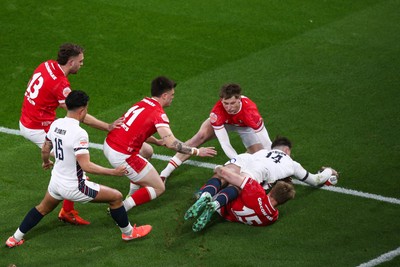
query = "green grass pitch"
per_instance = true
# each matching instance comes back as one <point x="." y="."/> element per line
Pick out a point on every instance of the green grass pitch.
<point x="323" y="73"/>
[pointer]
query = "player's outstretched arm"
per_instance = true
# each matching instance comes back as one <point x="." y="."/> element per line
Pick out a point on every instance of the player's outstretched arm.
<point x="173" y="143"/>
<point x="223" y="139"/>
<point x="90" y="167"/>
<point x="101" y="125"/>
<point x="326" y="176"/>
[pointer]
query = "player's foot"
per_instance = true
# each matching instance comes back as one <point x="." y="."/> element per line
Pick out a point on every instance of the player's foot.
<point x="12" y="242"/>
<point x="137" y="232"/>
<point x="198" y="206"/>
<point x="205" y="217"/>
<point x="197" y="194"/>
<point x="71" y="217"/>
<point x="164" y="179"/>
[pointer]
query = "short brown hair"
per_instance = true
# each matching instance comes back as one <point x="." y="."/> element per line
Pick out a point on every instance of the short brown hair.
<point x="281" y="141"/>
<point x="282" y="192"/>
<point x="229" y="90"/>
<point x="67" y="51"/>
<point x="160" y="85"/>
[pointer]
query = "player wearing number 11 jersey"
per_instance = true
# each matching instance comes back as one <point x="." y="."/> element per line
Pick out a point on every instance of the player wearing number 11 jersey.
<point x="141" y="121"/>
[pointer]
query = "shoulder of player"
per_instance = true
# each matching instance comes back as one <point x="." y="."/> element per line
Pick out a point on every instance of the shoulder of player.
<point x="248" y="103"/>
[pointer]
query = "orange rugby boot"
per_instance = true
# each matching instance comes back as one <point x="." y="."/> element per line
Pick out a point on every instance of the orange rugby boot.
<point x="71" y="217"/>
<point x="137" y="232"/>
<point x="12" y="242"/>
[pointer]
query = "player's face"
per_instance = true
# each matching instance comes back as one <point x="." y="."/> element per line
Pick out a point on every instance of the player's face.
<point x="83" y="113"/>
<point x="76" y="63"/>
<point x="168" y="97"/>
<point x="231" y="105"/>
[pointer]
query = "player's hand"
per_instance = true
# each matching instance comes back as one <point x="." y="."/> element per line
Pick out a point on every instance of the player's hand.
<point x="116" y="124"/>
<point x="217" y="168"/>
<point x="120" y="170"/>
<point x="47" y="165"/>
<point x="207" y="152"/>
<point x="334" y="172"/>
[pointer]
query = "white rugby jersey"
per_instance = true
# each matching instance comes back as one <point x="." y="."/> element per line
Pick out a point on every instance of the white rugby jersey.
<point x="68" y="140"/>
<point x="268" y="166"/>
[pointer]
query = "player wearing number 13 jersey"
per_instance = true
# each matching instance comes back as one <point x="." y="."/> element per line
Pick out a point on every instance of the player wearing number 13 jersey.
<point x="47" y="91"/>
<point x="140" y="122"/>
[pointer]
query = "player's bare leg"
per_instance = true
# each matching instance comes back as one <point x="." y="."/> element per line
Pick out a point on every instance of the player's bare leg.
<point x="204" y="134"/>
<point x="151" y="186"/>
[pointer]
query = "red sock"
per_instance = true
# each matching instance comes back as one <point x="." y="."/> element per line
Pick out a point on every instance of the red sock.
<point x="141" y="196"/>
<point x="68" y="205"/>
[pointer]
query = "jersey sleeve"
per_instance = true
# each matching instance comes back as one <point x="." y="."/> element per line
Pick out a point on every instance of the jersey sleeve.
<point x="81" y="143"/>
<point x="61" y="83"/>
<point x="299" y="172"/>
<point x="217" y="117"/>
<point x="310" y="178"/>
<point x="252" y="117"/>
<point x="161" y="120"/>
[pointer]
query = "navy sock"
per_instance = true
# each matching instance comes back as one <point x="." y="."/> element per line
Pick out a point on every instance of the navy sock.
<point x="120" y="216"/>
<point x="32" y="218"/>
<point x="226" y="195"/>
<point x="212" y="186"/>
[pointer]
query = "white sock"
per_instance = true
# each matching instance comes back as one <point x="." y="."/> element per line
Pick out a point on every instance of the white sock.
<point x="127" y="230"/>
<point x="18" y="235"/>
<point x="174" y="163"/>
<point x="133" y="188"/>
<point x="205" y="194"/>
<point x="129" y="203"/>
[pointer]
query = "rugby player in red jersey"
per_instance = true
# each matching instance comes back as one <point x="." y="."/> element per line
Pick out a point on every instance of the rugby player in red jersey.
<point x="232" y="113"/>
<point x="141" y="121"/>
<point x="47" y="91"/>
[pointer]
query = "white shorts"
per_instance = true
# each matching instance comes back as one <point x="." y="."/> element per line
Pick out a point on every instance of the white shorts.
<point x="250" y="166"/>
<point x="37" y="136"/>
<point x="85" y="192"/>
<point x="247" y="134"/>
<point x="137" y="166"/>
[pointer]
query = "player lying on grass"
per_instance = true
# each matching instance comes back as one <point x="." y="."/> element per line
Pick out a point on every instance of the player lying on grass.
<point x="263" y="168"/>
<point x="232" y="113"/>
<point x="68" y="178"/>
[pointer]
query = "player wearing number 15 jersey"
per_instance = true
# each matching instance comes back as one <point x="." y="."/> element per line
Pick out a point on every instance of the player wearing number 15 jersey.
<point x="141" y="121"/>
<point x="68" y="179"/>
<point x="47" y="91"/>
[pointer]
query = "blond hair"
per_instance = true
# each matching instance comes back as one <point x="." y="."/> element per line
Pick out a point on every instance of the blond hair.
<point x="282" y="192"/>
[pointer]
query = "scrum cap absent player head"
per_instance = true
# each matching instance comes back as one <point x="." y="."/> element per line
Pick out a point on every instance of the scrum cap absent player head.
<point x="161" y="85"/>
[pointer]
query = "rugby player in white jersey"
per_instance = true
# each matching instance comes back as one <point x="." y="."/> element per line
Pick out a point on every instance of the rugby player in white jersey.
<point x="266" y="167"/>
<point x="68" y="178"/>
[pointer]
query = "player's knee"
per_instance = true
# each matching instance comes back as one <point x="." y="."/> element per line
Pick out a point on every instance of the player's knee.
<point x="116" y="198"/>
<point x="146" y="151"/>
<point x="160" y="189"/>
